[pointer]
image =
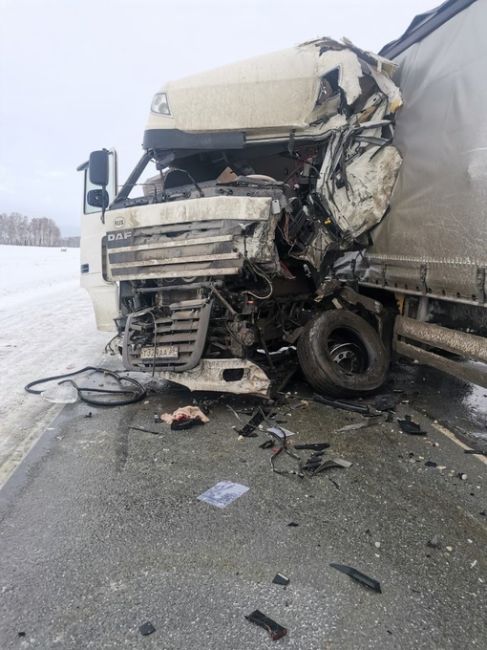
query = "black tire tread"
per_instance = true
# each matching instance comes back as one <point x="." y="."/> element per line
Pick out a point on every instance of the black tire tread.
<point x="316" y="374"/>
<point x="313" y="375"/>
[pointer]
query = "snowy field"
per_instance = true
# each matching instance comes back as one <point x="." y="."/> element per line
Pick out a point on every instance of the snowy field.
<point x="47" y="327"/>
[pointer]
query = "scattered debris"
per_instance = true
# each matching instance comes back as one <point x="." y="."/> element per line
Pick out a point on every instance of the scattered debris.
<point x="88" y="415"/>
<point x="360" y="577"/>
<point x="284" y="448"/>
<point x="462" y="476"/>
<point x="155" y="433"/>
<point x="330" y="464"/>
<point x="409" y="426"/>
<point x="431" y="463"/>
<point x="335" y="483"/>
<point x="147" y="628"/>
<point x="234" y="412"/>
<point x="298" y="404"/>
<point x="293" y="524"/>
<point x="356" y="425"/>
<point x="268" y="444"/>
<point x="185" y="417"/>
<point x="248" y="430"/>
<point x="279" y="579"/>
<point x="316" y="446"/>
<point x="340" y="404"/>
<point x="280" y="432"/>
<point x="434" y="542"/>
<point x="377" y="544"/>
<point x="223" y="493"/>
<point x="275" y="630"/>
<point x="312" y="463"/>
<point x="449" y="549"/>
<point x="186" y="423"/>
<point x="473" y="564"/>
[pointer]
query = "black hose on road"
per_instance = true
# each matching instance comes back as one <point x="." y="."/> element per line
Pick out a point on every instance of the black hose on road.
<point x="135" y="391"/>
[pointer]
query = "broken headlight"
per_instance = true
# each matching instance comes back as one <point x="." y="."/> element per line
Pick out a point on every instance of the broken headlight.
<point x="160" y="105"/>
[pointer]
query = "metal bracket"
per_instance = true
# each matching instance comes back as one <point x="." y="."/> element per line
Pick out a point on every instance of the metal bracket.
<point x="354" y="298"/>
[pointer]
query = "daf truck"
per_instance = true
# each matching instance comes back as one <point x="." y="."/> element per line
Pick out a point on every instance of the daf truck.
<point x="322" y="198"/>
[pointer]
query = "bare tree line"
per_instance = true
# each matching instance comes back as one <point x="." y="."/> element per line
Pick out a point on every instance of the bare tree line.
<point x="19" y="230"/>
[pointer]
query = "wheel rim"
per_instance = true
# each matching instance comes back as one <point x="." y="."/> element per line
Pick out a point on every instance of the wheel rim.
<point x="347" y="351"/>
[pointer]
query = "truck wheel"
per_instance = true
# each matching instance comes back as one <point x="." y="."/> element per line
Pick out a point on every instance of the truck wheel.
<point x="341" y="354"/>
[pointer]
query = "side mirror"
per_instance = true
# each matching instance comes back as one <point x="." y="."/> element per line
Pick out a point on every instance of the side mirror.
<point x="98" y="198"/>
<point x="98" y="168"/>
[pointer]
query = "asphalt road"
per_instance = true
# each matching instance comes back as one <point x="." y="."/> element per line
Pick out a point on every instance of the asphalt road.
<point x="101" y="531"/>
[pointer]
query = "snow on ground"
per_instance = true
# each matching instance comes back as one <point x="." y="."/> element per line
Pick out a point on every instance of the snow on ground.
<point x="47" y="327"/>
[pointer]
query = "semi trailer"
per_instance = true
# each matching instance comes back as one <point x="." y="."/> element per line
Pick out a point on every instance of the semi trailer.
<point x="427" y="259"/>
<point x="270" y="211"/>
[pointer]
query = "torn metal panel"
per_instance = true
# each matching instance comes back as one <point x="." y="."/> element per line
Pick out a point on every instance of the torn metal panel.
<point x="357" y="193"/>
<point x="349" y="71"/>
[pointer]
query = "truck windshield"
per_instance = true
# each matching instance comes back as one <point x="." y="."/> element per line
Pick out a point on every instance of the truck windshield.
<point x="148" y="183"/>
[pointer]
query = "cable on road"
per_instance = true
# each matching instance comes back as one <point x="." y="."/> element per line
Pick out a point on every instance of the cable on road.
<point x="130" y="389"/>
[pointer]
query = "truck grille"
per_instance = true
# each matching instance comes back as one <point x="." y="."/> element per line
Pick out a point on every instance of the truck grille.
<point x="172" y="338"/>
<point x="194" y="249"/>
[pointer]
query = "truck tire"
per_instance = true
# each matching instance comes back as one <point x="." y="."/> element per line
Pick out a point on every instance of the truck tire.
<point x="341" y="354"/>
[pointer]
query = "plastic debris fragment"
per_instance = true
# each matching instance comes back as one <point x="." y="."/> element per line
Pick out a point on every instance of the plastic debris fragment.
<point x="332" y="463"/>
<point x="409" y="426"/>
<point x="434" y="542"/>
<point x="147" y="628"/>
<point x="341" y="404"/>
<point x="358" y="576"/>
<point x="275" y="630"/>
<point x="248" y="430"/>
<point x="279" y="579"/>
<point x="280" y="432"/>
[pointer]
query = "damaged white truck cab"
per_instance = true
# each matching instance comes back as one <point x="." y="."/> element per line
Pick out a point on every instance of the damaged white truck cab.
<point x="260" y="175"/>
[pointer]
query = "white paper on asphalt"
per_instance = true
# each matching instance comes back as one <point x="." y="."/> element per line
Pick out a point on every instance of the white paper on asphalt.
<point x="223" y="493"/>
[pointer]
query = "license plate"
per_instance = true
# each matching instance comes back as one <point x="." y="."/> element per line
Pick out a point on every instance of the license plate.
<point x="161" y="352"/>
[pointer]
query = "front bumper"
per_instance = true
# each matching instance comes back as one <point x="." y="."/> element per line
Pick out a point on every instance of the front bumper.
<point x="223" y="375"/>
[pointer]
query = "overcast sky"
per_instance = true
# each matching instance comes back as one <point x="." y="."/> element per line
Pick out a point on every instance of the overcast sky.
<point x="78" y="75"/>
